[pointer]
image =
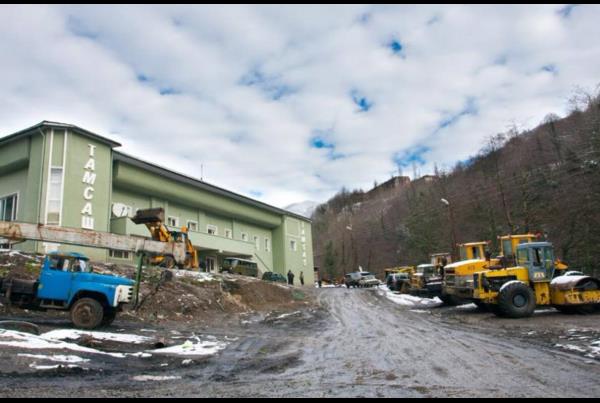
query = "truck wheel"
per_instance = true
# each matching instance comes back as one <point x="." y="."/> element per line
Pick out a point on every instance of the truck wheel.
<point x="109" y="317"/>
<point x="87" y="313"/>
<point x="516" y="300"/>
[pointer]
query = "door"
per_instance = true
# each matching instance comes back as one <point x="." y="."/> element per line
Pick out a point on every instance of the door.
<point x="56" y="279"/>
<point x="211" y="264"/>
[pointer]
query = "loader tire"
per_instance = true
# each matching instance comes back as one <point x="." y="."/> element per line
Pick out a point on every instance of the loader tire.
<point x="516" y="300"/>
<point x="87" y="313"/>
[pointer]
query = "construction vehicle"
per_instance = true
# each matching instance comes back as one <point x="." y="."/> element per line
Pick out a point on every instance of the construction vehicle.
<point x="426" y="281"/>
<point x="474" y="257"/>
<point x="67" y="282"/>
<point x="154" y="219"/>
<point x="398" y="278"/>
<point x="516" y="291"/>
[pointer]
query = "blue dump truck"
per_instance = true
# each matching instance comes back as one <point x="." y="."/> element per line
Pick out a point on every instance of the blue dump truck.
<point x="67" y="282"/>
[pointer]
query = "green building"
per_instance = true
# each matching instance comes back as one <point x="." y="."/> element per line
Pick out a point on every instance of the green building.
<point x="60" y="174"/>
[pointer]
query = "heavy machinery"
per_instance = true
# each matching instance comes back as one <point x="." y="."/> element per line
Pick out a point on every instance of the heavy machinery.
<point x="474" y="257"/>
<point x="516" y="291"/>
<point x="426" y="280"/>
<point x="154" y="219"/>
<point x="398" y="278"/>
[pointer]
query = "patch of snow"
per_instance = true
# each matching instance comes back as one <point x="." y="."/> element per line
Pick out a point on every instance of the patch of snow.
<point x="47" y="367"/>
<point x="186" y="361"/>
<point x="285" y="315"/>
<point x="571" y="347"/>
<point x="144" y="378"/>
<point x="73" y="334"/>
<point x="197" y="275"/>
<point x="56" y="358"/>
<point x="408" y="300"/>
<point x="190" y="348"/>
<point x="467" y="306"/>
<point x="508" y="283"/>
<point x="148" y="330"/>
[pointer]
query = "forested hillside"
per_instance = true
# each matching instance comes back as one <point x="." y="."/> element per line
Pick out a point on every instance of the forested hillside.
<point x="545" y="180"/>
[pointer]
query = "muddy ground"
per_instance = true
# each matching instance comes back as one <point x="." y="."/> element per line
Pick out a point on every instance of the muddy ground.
<point x="351" y="343"/>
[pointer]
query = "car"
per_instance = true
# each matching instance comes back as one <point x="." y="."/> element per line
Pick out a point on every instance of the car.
<point x="274" y="277"/>
<point x="367" y="280"/>
<point x="352" y="279"/>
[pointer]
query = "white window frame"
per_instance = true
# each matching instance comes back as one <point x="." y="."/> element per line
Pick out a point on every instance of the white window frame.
<point x="188" y="222"/>
<point x="215" y="267"/>
<point x="212" y="227"/>
<point x="256" y="242"/>
<point x="267" y="244"/>
<point x="244" y="236"/>
<point x="15" y="206"/>
<point x="58" y="200"/>
<point x="293" y="245"/>
<point x="176" y="219"/>
<point x="228" y="233"/>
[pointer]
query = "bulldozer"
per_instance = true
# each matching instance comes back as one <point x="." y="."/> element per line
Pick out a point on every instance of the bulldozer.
<point x="426" y="280"/>
<point x="515" y="292"/>
<point x="474" y="257"/>
<point x="458" y="277"/>
<point x="154" y="219"/>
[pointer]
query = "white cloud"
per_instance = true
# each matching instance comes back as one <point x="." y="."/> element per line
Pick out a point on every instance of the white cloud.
<point x="477" y="68"/>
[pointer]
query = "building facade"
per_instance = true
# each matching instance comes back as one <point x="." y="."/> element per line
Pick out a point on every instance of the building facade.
<point x="63" y="175"/>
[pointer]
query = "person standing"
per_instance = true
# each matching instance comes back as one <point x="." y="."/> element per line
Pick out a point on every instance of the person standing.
<point x="301" y="278"/>
<point x="290" y="277"/>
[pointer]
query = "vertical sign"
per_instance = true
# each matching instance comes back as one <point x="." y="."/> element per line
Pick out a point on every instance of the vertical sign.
<point x="89" y="178"/>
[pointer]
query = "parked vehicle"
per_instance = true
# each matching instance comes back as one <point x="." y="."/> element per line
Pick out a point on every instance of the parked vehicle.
<point x="368" y="280"/>
<point x="352" y="279"/>
<point x="67" y="282"/>
<point x="243" y="267"/>
<point x="399" y="282"/>
<point x="275" y="277"/>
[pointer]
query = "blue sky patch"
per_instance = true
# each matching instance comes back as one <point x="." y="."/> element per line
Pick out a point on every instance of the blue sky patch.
<point x="168" y="91"/>
<point x="414" y="155"/>
<point x="320" y="143"/>
<point x="395" y="46"/>
<point x="256" y="193"/>
<point x="565" y="11"/>
<point x="271" y="86"/>
<point x="78" y="28"/>
<point x="363" y="103"/>
<point x="470" y="108"/>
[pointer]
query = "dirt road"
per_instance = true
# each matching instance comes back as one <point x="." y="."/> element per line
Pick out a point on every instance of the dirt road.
<point x="358" y="344"/>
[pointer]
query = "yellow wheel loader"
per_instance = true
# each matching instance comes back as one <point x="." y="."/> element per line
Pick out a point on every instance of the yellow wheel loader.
<point x="515" y="292"/>
<point x="426" y="279"/>
<point x="154" y="220"/>
<point x="474" y="257"/>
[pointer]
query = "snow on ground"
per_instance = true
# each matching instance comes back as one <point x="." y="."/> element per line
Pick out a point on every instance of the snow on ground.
<point x="190" y="348"/>
<point x="196" y="275"/>
<point x="408" y="300"/>
<point x="70" y="359"/>
<point x="467" y="306"/>
<point x="144" y="378"/>
<point x="29" y="341"/>
<point x="72" y="334"/>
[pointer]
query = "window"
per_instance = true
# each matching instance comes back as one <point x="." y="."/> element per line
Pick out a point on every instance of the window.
<point x="228" y="233"/>
<point x="212" y="230"/>
<point x="256" y="242"/>
<point x="293" y="245"/>
<point x="173" y="221"/>
<point x="244" y="237"/>
<point x="54" y="196"/>
<point x="8" y="208"/>
<point x="118" y="254"/>
<point x="192" y="226"/>
<point x="267" y="245"/>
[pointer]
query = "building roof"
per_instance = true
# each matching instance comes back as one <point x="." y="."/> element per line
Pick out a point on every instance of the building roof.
<point x="188" y="180"/>
<point x="53" y="125"/>
<point x="157" y="169"/>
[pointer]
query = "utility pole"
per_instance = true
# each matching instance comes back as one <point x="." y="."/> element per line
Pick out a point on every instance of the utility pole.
<point x="452" y="227"/>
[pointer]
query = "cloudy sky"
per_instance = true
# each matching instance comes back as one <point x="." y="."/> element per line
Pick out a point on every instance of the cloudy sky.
<point x="290" y="103"/>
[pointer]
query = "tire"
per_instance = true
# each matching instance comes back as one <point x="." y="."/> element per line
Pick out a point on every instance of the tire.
<point x="87" y="313"/>
<point x="516" y="300"/>
<point x="449" y="300"/>
<point x="109" y="317"/>
<point x="482" y="306"/>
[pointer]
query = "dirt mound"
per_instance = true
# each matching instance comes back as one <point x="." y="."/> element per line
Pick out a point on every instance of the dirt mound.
<point x="178" y="294"/>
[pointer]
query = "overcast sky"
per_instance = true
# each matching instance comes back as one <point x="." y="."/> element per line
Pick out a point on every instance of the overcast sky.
<point x="290" y="103"/>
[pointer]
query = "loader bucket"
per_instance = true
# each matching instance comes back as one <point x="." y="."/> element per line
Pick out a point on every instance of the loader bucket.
<point x="151" y="215"/>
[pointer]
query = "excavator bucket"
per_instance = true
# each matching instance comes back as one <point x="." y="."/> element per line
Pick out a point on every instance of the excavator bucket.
<point x="150" y="215"/>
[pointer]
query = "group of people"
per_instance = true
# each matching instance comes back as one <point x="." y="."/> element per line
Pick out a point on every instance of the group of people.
<point x="291" y="276"/>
